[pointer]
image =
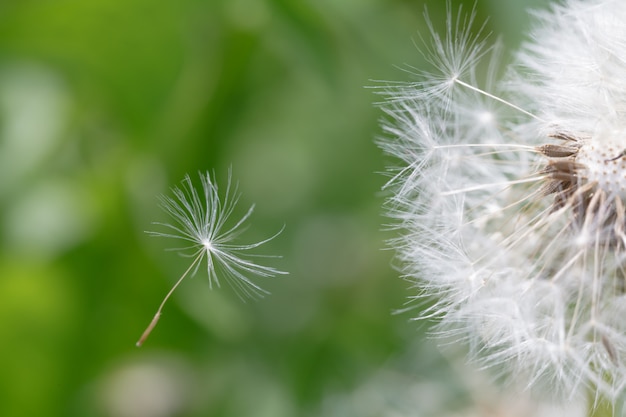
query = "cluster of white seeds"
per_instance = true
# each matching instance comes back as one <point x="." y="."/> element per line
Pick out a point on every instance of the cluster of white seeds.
<point x="511" y="195"/>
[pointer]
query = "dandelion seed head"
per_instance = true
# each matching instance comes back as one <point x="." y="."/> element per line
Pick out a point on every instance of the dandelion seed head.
<point x="511" y="196"/>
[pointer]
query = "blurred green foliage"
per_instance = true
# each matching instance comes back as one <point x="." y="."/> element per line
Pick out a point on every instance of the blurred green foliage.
<point x="106" y="104"/>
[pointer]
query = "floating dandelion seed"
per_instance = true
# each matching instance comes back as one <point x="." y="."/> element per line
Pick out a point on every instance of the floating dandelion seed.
<point x="203" y="222"/>
<point x="512" y="196"/>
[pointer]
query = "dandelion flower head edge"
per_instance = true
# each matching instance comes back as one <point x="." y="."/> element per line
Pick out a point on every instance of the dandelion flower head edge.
<point x="510" y="195"/>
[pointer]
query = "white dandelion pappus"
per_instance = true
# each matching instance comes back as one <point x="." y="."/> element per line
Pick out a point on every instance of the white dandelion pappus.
<point x="512" y="196"/>
<point x="203" y="221"/>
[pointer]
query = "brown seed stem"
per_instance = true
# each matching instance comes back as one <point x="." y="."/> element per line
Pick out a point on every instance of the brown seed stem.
<point x="157" y="316"/>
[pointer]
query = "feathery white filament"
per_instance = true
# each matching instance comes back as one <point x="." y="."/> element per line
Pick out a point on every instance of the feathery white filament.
<point x="202" y="221"/>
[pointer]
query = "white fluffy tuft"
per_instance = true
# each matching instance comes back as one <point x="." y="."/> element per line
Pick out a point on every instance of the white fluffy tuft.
<point x="511" y="196"/>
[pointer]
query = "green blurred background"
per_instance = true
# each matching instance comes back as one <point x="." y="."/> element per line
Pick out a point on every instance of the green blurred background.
<point x="104" y="105"/>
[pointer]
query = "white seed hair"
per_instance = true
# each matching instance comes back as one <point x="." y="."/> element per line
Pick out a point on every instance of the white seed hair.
<point x="203" y="221"/>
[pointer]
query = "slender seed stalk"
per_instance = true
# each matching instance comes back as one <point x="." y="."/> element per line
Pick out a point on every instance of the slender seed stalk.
<point x="157" y="316"/>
